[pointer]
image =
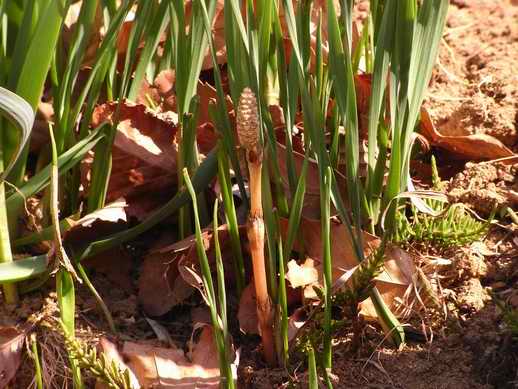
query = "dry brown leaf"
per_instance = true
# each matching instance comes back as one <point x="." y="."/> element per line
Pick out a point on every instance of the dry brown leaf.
<point x="302" y="275"/>
<point x="161" y="93"/>
<point x="173" y="269"/>
<point x="108" y="220"/>
<point x="143" y="157"/>
<point x="159" y="271"/>
<point x="157" y="367"/>
<point x="11" y="345"/>
<point x="393" y="281"/>
<point x="141" y="133"/>
<point x="112" y="354"/>
<point x="247" y="313"/>
<point x="115" y="263"/>
<point x="472" y="147"/>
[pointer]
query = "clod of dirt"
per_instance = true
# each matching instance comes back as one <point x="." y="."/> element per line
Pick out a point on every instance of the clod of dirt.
<point x="466" y="264"/>
<point x="485" y="185"/>
<point x="472" y="296"/>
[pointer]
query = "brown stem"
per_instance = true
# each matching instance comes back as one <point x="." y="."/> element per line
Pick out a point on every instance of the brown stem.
<point x="255" y="231"/>
<point x="264" y="305"/>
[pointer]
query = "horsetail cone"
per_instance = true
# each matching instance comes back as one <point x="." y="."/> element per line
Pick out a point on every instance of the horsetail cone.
<point x="248" y="121"/>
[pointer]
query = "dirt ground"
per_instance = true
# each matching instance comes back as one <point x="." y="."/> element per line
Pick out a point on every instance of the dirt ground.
<point x="463" y="344"/>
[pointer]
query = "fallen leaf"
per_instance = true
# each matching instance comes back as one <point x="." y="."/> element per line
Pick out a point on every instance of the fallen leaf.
<point x="174" y="269"/>
<point x="159" y="271"/>
<point x="11" y="346"/>
<point x="141" y="133"/>
<point x="107" y="220"/>
<point x="301" y="275"/>
<point x="143" y="157"/>
<point x="472" y="147"/>
<point x="112" y="354"/>
<point x="158" y="367"/>
<point x="115" y="263"/>
<point x="247" y="313"/>
<point x="392" y="282"/>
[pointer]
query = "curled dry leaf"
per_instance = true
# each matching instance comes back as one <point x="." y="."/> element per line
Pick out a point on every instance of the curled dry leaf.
<point x="143" y="156"/>
<point x="393" y="282"/>
<point x="160" y="96"/>
<point x="115" y="263"/>
<point x="159" y="271"/>
<point x="108" y="220"/>
<point x="141" y="132"/>
<point x="189" y="263"/>
<point x="302" y="275"/>
<point x="174" y="271"/>
<point x="472" y="147"/>
<point x="157" y="367"/>
<point x="113" y="356"/>
<point x="11" y="345"/>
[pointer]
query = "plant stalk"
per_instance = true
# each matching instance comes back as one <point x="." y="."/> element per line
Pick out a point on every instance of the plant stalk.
<point x="256" y="232"/>
<point x="6" y="255"/>
<point x="248" y="128"/>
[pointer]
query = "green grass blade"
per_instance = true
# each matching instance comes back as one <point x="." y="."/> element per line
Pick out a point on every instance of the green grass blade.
<point x="282" y="303"/>
<point x="21" y="115"/>
<point x="38" y="373"/>
<point x="23" y="269"/>
<point x="65" y="291"/>
<point x="142" y="15"/>
<point x="343" y="80"/>
<point x="225" y="368"/>
<point x="328" y="277"/>
<point x="296" y="211"/>
<point x="38" y="182"/>
<point x="312" y="369"/>
<point x="231" y="218"/>
<point x="383" y="51"/>
<point x="221" y="117"/>
<point x="33" y="73"/>
<point x="209" y="293"/>
<point x="159" y="23"/>
<point x="45" y="234"/>
<point x="80" y="40"/>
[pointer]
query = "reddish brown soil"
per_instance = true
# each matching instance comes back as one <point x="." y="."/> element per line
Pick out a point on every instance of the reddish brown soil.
<point x="475" y="85"/>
